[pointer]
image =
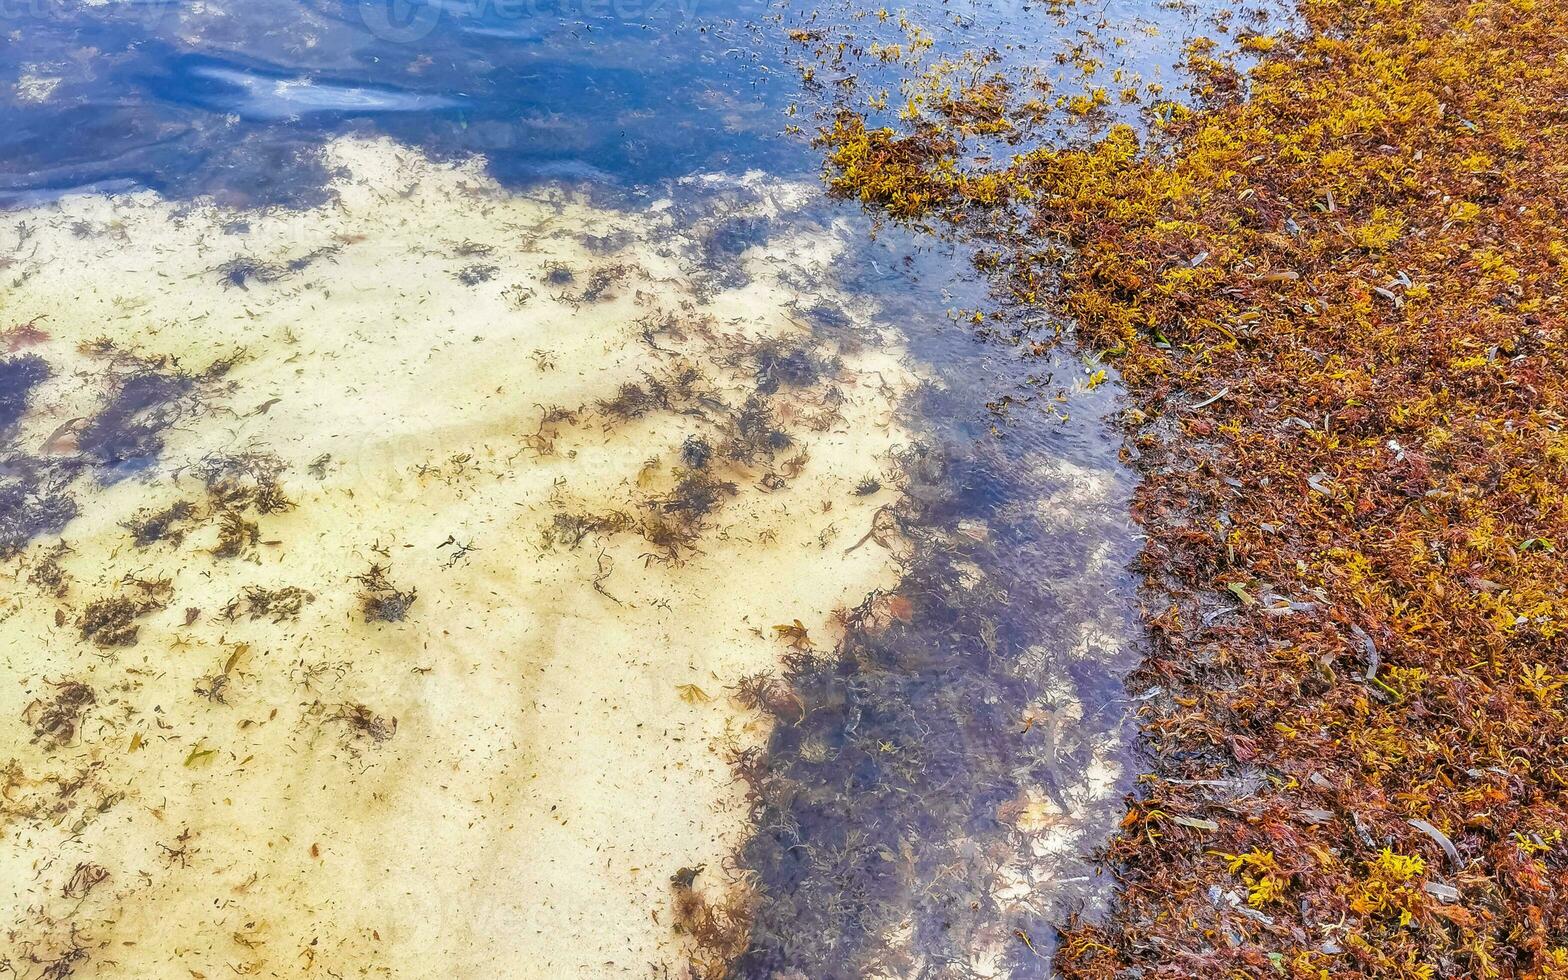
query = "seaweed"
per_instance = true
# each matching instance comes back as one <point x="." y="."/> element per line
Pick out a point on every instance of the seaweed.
<point x="1332" y="286"/>
<point x="84" y="879"/>
<point x="680" y="387"/>
<point x="48" y="575"/>
<point x="245" y="480"/>
<point x="278" y="605"/>
<point x="753" y="432"/>
<point x="571" y="530"/>
<point x="379" y="600"/>
<point x="150" y="527"/>
<point x="242" y="270"/>
<point x="55" y="722"/>
<point x="127" y="433"/>
<point x="718" y="930"/>
<point x="33" y="502"/>
<point x="473" y="275"/>
<point x="694" y="497"/>
<point x="236" y="535"/>
<point x="111" y="621"/>
<point x="18" y="377"/>
<point x="781" y="364"/>
<point x="723" y="246"/>
<point x="696" y="453"/>
<point x="363" y="723"/>
<point x="600" y="282"/>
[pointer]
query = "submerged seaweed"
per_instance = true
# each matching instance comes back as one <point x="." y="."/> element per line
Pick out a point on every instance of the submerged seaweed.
<point x="127" y="434"/>
<point x="18" y="377"/>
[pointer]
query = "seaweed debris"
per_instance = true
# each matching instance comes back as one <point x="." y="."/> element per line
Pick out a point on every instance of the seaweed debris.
<point x="1334" y="290"/>
<point x="362" y="723"/>
<point x="56" y="721"/>
<point x="111" y="621"/>
<point x="380" y="600"/>
<point x="34" y="501"/>
<point x="150" y="527"/>
<point x="242" y="270"/>
<point x="277" y="605"/>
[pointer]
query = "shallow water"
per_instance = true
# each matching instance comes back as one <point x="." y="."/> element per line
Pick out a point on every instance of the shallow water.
<point x="471" y="507"/>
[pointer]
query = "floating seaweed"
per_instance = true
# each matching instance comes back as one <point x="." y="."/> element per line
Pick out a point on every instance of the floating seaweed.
<point x="1347" y="408"/>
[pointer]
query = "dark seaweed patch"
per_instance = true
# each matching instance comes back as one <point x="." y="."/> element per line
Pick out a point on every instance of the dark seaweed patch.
<point x="236" y="535"/>
<point x="723" y="246"/>
<point x="695" y="496"/>
<point x="754" y="432"/>
<point x="473" y="275"/>
<point x="780" y="364"/>
<point x="885" y="799"/>
<point x="277" y="605"/>
<point x="679" y="388"/>
<point x="380" y="600"/>
<point x="127" y="434"/>
<point x="149" y="527"/>
<point x="56" y="720"/>
<point x="18" y="377"/>
<point x="605" y="244"/>
<point x="33" y="502"/>
<point x="696" y="453"/>
<point x="242" y="270"/>
<point x="600" y="282"/>
<point x="832" y="319"/>
<point x="243" y="481"/>
<point x="111" y="621"/>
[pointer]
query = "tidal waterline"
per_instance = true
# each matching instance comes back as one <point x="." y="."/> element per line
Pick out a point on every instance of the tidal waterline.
<point x="597" y="556"/>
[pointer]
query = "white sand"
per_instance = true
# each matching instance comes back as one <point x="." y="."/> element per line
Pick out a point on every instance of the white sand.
<point x="548" y="772"/>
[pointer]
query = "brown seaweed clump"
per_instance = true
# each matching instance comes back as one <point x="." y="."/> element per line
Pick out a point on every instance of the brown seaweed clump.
<point x="363" y="723"/>
<point x="149" y="527"/>
<point x="111" y="621"/>
<point x="718" y="930"/>
<point x="380" y="600"/>
<point x="56" y="721"/>
<point x="277" y="605"/>
<point x="1335" y="291"/>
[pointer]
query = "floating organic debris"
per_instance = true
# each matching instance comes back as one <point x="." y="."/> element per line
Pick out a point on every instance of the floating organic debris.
<point x="1332" y="285"/>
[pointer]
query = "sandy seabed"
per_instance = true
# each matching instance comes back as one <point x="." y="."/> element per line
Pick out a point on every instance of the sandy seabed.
<point x="601" y="474"/>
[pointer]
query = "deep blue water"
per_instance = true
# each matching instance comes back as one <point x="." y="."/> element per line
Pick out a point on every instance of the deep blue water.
<point x="230" y="98"/>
